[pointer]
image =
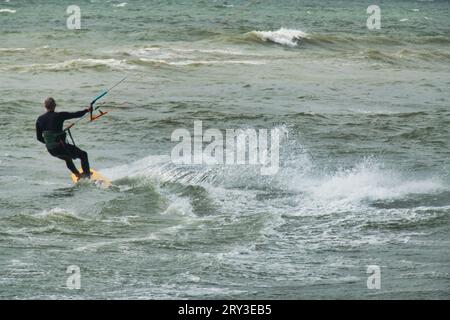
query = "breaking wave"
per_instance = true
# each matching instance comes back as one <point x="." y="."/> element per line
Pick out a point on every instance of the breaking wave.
<point x="285" y="37"/>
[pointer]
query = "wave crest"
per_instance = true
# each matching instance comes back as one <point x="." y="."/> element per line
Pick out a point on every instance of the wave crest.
<point x="7" y="11"/>
<point x="75" y="64"/>
<point x="283" y="36"/>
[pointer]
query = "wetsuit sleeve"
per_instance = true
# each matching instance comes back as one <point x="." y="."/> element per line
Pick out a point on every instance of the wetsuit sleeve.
<point x="71" y="115"/>
<point x="39" y="133"/>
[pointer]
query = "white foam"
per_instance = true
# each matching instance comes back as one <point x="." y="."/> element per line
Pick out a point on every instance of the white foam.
<point x="193" y="56"/>
<point x="318" y="193"/>
<point x="120" y="5"/>
<point x="369" y="180"/>
<point x="12" y="49"/>
<point x="113" y="63"/>
<point x="77" y="63"/>
<point x="57" y="212"/>
<point x="153" y="53"/>
<point x="141" y="168"/>
<point x="7" y="11"/>
<point x="179" y="206"/>
<point x="287" y="37"/>
<point x="202" y="62"/>
<point x="187" y="53"/>
<point x="213" y="51"/>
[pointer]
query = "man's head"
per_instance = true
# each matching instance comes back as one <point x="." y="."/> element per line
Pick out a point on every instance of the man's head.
<point x="50" y="104"/>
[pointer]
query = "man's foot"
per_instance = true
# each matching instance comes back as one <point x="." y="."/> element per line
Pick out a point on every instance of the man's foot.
<point x="86" y="175"/>
<point x="78" y="175"/>
<point x="83" y="176"/>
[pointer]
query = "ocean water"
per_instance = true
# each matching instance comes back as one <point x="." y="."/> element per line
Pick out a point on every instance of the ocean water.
<point x="364" y="164"/>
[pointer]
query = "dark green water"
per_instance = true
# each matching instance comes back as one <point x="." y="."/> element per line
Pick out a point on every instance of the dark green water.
<point x="364" y="169"/>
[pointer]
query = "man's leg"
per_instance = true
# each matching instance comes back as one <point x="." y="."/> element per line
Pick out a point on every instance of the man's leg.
<point x="77" y="153"/>
<point x="63" y="155"/>
<point x="71" y="166"/>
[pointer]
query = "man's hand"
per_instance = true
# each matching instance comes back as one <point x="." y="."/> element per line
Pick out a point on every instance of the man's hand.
<point x="90" y="108"/>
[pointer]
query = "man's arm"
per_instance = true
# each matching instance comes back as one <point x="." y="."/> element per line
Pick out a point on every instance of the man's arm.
<point x="39" y="133"/>
<point x="72" y="115"/>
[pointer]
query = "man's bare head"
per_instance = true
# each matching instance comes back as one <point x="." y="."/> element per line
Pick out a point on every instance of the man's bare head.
<point x="50" y="104"/>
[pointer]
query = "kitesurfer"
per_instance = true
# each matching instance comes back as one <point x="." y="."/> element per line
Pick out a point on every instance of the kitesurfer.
<point x="49" y="130"/>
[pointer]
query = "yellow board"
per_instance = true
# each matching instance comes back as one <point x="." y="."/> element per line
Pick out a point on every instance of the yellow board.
<point x="96" y="177"/>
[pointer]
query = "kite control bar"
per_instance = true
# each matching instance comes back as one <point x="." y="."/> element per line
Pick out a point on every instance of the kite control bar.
<point x="92" y="117"/>
<point x="101" y="96"/>
<point x="101" y="113"/>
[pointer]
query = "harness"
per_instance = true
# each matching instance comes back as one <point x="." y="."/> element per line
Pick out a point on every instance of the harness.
<point x="54" y="139"/>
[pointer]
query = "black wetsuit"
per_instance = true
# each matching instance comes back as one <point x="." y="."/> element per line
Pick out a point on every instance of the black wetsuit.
<point x="53" y="122"/>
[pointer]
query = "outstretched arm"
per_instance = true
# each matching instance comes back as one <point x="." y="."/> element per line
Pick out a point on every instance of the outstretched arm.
<point x="73" y="115"/>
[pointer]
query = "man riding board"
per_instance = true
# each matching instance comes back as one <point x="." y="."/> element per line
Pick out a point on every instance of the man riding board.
<point x="49" y="130"/>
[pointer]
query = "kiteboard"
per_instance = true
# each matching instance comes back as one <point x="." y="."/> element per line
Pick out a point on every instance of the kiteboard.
<point x="96" y="177"/>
